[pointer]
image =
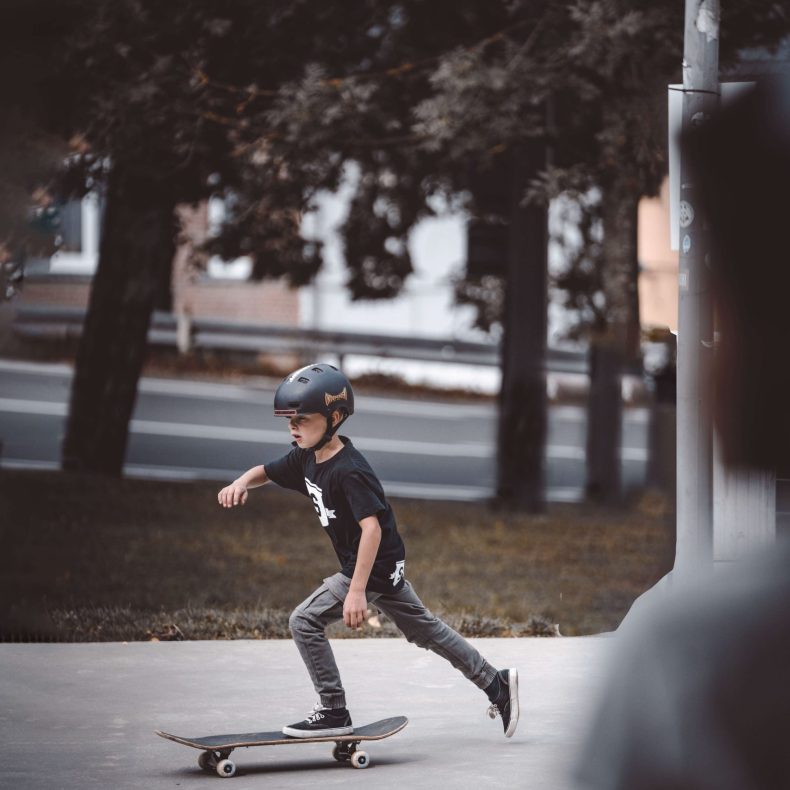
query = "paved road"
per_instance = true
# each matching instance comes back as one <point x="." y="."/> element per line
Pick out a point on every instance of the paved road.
<point x="82" y="716"/>
<point x="190" y="429"/>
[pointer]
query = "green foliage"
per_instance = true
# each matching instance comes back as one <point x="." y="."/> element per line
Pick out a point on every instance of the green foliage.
<point x="32" y="146"/>
<point x="431" y="93"/>
<point x="268" y="103"/>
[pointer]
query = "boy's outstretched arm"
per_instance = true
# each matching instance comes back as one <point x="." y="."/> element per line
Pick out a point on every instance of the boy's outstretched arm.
<point x="236" y="492"/>
<point x="355" y="607"/>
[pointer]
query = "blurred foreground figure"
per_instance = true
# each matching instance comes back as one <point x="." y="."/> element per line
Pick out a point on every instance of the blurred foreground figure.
<point x="698" y="694"/>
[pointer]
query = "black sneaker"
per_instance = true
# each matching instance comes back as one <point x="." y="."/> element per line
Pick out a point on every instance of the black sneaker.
<point x="504" y="701"/>
<point x="321" y="722"/>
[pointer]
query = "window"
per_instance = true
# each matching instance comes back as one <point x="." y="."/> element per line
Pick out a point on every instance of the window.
<point x="78" y="236"/>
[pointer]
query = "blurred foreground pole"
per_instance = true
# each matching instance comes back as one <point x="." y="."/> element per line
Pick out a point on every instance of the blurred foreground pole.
<point x="695" y="320"/>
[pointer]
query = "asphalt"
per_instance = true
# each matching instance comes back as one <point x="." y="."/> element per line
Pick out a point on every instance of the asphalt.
<point x="83" y="715"/>
<point x="199" y="430"/>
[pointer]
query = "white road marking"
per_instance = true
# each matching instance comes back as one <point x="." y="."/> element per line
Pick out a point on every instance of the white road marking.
<point x="38" y="368"/>
<point x="260" y="435"/>
<point x="264" y="436"/>
<point x="43" y="407"/>
<point x="256" y="435"/>
<point x="261" y="392"/>
<point x="639" y="414"/>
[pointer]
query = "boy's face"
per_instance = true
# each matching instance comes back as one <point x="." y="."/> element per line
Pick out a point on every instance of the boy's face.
<point x="307" y="429"/>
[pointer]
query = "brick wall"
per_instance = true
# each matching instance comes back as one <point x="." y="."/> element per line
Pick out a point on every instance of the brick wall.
<point x="200" y="296"/>
<point x="263" y="303"/>
<point x="270" y="302"/>
<point x="59" y="291"/>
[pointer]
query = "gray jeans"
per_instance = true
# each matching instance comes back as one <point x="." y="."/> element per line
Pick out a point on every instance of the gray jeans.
<point x="310" y="619"/>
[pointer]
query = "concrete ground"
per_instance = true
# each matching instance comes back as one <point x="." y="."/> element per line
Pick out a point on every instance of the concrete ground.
<point x="84" y="715"/>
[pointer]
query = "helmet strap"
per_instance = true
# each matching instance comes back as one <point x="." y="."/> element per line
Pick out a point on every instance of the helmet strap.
<point x="330" y="430"/>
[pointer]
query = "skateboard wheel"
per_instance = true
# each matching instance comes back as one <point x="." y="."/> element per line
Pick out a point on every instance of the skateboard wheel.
<point x="226" y="769"/>
<point x="360" y="760"/>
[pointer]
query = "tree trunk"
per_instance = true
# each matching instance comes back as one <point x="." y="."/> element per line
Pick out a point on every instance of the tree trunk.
<point x="617" y="348"/>
<point x="522" y="400"/>
<point x="135" y="257"/>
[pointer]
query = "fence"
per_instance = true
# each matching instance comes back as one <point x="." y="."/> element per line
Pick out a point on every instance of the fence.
<point x="205" y="333"/>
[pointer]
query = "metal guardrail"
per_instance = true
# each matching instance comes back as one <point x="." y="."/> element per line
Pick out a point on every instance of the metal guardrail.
<point x="40" y="321"/>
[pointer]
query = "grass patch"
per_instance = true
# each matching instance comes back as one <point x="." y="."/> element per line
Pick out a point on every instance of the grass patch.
<point x="88" y="558"/>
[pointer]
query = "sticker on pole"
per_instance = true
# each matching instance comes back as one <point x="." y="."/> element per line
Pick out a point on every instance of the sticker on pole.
<point x="686" y="214"/>
<point x="729" y="92"/>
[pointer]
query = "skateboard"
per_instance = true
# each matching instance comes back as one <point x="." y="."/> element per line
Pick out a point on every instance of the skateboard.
<point x="217" y="748"/>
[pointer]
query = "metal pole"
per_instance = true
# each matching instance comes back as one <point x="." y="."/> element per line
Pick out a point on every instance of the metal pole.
<point x="695" y="319"/>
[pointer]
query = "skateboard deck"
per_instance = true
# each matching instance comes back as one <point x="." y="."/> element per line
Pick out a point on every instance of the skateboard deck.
<point x="216" y="749"/>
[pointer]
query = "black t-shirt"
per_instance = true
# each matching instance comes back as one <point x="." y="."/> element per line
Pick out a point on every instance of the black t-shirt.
<point x="345" y="490"/>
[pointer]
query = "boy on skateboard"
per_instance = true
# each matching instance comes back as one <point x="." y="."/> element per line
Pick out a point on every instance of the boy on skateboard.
<point x="355" y="514"/>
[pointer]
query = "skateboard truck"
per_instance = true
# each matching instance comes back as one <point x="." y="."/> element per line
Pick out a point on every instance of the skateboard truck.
<point x="344" y="752"/>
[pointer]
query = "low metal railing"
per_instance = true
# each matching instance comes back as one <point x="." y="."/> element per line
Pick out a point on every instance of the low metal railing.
<point x="208" y="333"/>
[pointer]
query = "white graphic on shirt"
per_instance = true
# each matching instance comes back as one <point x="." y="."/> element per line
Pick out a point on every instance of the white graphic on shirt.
<point x="317" y="495"/>
<point x="400" y="569"/>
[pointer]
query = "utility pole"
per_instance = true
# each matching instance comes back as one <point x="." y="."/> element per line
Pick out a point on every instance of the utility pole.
<point x="695" y="320"/>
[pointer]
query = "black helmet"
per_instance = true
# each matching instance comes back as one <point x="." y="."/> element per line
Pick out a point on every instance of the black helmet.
<point x="314" y="389"/>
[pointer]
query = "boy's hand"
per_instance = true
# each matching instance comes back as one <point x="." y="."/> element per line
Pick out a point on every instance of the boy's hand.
<point x="234" y="494"/>
<point x="355" y="609"/>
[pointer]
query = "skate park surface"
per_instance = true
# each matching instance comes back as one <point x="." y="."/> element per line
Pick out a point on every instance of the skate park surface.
<point x="84" y="715"/>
